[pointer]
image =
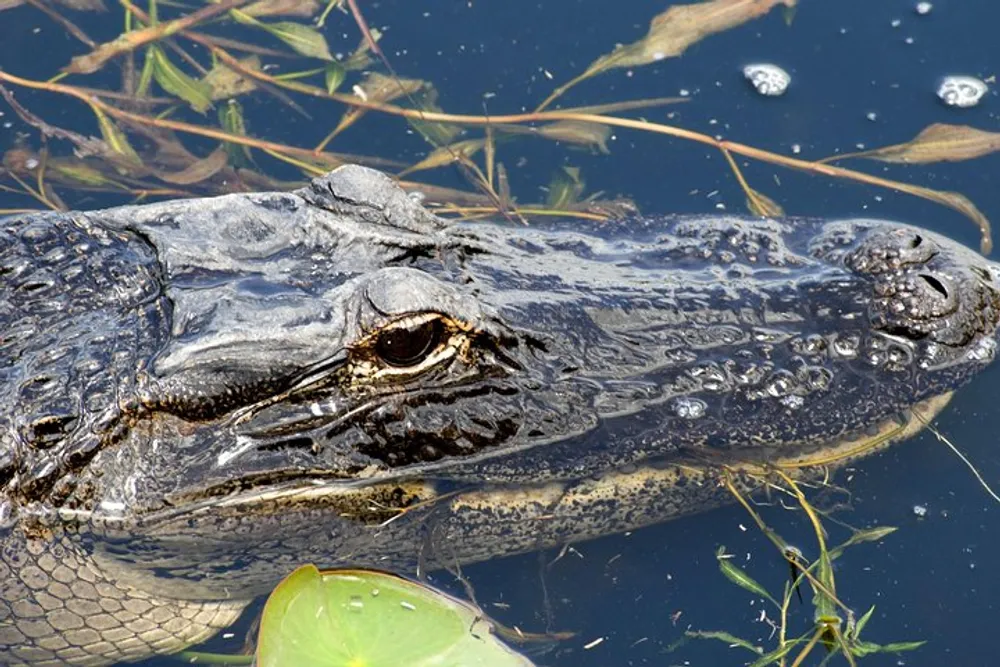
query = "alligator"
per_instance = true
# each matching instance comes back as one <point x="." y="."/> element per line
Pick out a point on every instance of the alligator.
<point x="198" y="395"/>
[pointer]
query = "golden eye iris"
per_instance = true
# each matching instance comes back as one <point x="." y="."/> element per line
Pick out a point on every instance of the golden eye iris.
<point x="407" y="345"/>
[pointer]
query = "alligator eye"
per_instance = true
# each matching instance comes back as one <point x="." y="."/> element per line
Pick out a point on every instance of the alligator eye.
<point x="408" y="344"/>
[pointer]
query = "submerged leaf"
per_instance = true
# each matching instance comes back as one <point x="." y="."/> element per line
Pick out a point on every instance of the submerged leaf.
<point x="592" y="135"/>
<point x="939" y="142"/>
<point x="445" y="155"/>
<point x="361" y="58"/>
<point x="506" y="199"/>
<point x="232" y="121"/>
<point x="304" y="39"/>
<point x="861" y="536"/>
<point x="763" y="206"/>
<point x="129" y="41"/>
<point x="775" y="655"/>
<point x="863" y="621"/>
<point x="334" y="75"/>
<point x="739" y="577"/>
<point x="375" y="88"/>
<point x="302" y="8"/>
<point x="196" y="93"/>
<point x="381" y="88"/>
<point x="200" y="170"/>
<point x="80" y="172"/>
<point x="673" y="31"/>
<point x="84" y="5"/>
<point x="861" y="649"/>
<point x="115" y="138"/>
<point x="726" y="637"/>
<point x="436" y="134"/>
<point x="565" y="188"/>
<point x="224" y="82"/>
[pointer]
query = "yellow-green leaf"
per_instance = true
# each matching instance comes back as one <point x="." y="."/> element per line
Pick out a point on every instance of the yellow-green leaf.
<point x="436" y="134"/>
<point x="861" y="649"/>
<point x="375" y="88"/>
<point x="224" y="83"/>
<point x="741" y="578"/>
<point x="84" y="5"/>
<point x="114" y="137"/>
<point x="334" y="75"/>
<point x="763" y="206"/>
<point x="775" y="655"/>
<point x="198" y="171"/>
<point x="304" y="39"/>
<point x="503" y="190"/>
<point x="673" y="31"/>
<point x="582" y="133"/>
<point x="302" y="8"/>
<point x="565" y="188"/>
<point x="361" y="57"/>
<point x="939" y="142"/>
<point x="726" y="637"/>
<point x="196" y="93"/>
<point x="860" y="536"/>
<point x="232" y="121"/>
<point x="445" y="155"/>
<point x="80" y="172"/>
<point x="863" y="621"/>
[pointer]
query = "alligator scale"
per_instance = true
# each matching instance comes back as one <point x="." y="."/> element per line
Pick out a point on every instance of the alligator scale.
<point x="196" y="396"/>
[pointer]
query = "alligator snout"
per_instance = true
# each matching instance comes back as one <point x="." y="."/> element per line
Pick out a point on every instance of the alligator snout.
<point x="926" y="286"/>
<point x="889" y="251"/>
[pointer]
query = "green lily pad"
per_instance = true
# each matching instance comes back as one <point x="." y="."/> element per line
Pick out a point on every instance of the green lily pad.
<point x="360" y="618"/>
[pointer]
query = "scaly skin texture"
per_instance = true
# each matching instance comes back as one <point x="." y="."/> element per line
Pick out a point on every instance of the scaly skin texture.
<point x="197" y="396"/>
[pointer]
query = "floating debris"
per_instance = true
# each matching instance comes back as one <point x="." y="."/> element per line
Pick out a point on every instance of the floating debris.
<point x="769" y="80"/>
<point x="920" y="511"/>
<point x="961" y="91"/>
<point x="923" y="8"/>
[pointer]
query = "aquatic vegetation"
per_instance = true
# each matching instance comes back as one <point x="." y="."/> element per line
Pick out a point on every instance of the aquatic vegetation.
<point x="364" y="618"/>
<point x="158" y="137"/>
<point x="834" y="626"/>
<point x="140" y="152"/>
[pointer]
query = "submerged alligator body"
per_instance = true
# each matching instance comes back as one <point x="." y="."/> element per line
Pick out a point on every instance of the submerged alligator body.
<point x="196" y="396"/>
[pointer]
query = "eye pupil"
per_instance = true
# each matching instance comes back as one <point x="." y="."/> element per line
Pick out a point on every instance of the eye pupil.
<point x="408" y="346"/>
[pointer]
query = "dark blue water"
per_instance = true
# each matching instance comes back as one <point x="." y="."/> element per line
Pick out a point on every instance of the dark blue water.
<point x="934" y="579"/>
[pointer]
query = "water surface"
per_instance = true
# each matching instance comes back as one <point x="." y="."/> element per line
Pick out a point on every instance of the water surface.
<point x="858" y="81"/>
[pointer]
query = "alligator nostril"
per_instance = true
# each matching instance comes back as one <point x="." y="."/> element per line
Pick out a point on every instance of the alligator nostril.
<point x="935" y="284"/>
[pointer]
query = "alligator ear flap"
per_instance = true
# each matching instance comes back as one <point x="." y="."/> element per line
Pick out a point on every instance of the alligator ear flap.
<point x="370" y="196"/>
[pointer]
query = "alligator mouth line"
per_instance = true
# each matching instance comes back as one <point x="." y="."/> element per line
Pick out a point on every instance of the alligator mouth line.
<point x="657" y="490"/>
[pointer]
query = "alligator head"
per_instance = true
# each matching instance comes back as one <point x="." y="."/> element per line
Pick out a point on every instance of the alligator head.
<point x="337" y="356"/>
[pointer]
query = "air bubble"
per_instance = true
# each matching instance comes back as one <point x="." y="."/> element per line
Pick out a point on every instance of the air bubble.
<point x="769" y="80"/>
<point x="686" y="407"/>
<point x="780" y="384"/>
<point x="961" y="91"/>
<point x="846" y="346"/>
<point x="793" y="402"/>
